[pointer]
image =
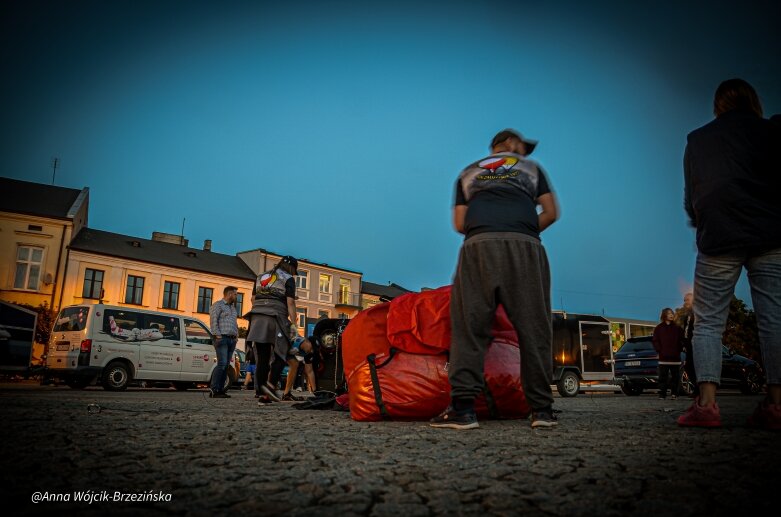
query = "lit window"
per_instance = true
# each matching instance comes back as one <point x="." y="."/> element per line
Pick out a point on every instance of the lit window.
<point x="325" y="283"/>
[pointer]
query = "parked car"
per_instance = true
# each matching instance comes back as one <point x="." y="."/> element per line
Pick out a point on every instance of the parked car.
<point x="241" y="357"/>
<point x="636" y="369"/>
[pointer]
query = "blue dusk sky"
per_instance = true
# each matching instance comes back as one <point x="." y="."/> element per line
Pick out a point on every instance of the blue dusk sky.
<point x="334" y="131"/>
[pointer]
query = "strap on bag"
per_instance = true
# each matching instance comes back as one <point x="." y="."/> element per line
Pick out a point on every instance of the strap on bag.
<point x="373" y="366"/>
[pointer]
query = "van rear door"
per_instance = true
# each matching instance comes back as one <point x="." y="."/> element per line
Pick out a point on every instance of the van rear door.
<point x="70" y="329"/>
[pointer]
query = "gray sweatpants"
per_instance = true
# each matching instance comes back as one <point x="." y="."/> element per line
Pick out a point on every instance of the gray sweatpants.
<point x="511" y="269"/>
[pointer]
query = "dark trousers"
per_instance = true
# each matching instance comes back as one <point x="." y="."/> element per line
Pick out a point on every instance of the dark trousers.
<point x="511" y="269"/>
<point x="224" y="350"/>
<point x="673" y="371"/>
<point x="265" y="369"/>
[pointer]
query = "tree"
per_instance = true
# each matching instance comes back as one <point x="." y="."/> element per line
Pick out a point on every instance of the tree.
<point x="742" y="333"/>
<point x="45" y="323"/>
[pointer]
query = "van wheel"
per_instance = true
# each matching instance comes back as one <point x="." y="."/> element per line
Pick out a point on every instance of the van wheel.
<point x="183" y="386"/>
<point x="77" y="384"/>
<point x="116" y="377"/>
<point x="568" y="385"/>
<point x="630" y="391"/>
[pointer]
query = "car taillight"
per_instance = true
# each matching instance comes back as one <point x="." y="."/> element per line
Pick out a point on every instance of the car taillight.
<point x="86" y="345"/>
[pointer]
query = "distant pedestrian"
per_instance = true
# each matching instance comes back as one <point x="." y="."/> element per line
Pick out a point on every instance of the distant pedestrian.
<point x="249" y="359"/>
<point x="732" y="173"/>
<point x="687" y="324"/>
<point x="272" y="326"/>
<point x="225" y="329"/>
<point x="501" y="261"/>
<point x="668" y="343"/>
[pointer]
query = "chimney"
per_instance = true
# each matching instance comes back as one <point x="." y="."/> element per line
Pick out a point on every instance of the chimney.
<point x="207" y="245"/>
<point x="169" y="238"/>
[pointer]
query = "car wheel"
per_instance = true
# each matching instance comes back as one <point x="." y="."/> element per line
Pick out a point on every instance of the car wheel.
<point x="77" y="384"/>
<point x="230" y="379"/>
<point x="183" y="386"/>
<point x="752" y="384"/>
<point x="568" y="385"/>
<point x="630" y="391"/>
<point x="687" y="386"/>
<point x="116" y="377"/>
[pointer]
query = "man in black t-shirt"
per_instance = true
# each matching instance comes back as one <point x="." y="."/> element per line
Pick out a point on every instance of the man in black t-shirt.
<point x="501" y="261"/>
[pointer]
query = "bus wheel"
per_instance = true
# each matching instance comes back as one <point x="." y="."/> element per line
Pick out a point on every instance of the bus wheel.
<point x="568" y="385"/>
<point x="116" y="377"/>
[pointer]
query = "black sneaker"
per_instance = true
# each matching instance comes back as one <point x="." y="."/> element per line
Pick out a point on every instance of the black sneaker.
<point x="219" y="395"/>
<point x="452" y="419"/>
<point x="264" y="400"/>
<point x="265" y="390"/>
<point x="544" y="418"/>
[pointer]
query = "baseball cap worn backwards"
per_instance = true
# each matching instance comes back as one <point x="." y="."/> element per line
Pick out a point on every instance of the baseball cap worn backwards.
<point x="504" y="134"/>
<point x="287" y="259"/>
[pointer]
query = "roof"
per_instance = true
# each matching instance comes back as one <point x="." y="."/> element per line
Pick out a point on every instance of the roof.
<point x="388" y="292"/>
<point x="300" y="260"/>
<point x="162" y="253"/>
<point x="25" y="197"/>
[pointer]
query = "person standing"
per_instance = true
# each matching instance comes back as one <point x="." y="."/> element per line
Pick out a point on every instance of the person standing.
<point x="501" y="261"/>
<point x="732" y="193"/>
<point x="272" y="326"/>
<point x="668" y="343"/>
<point x="687" y="323"/>
<point x="225" y="329"/>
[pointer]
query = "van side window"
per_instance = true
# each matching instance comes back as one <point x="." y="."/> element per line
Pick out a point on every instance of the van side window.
<point x="196" y="332"/>
<point x="167" y="325"/>
<point x="121" y="321"/>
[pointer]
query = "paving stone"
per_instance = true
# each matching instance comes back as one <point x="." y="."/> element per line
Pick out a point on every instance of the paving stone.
<point x="611" y="455"/>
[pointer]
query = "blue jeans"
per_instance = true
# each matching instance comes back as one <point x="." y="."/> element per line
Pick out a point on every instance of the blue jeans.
<point x="224" y="349"/>
<point x="714" y="284"/>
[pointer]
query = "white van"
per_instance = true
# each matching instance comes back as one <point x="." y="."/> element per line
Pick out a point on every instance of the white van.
<point x="116" y="345"/>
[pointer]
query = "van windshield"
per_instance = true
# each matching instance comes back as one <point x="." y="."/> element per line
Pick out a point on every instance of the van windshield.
<point x="71" y="319"/>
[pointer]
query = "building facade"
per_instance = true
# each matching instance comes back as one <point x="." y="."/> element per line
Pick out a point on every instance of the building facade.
<point x="373" y="294"/>
<point x="37" y="223"/>
<point x="155" y="274"/>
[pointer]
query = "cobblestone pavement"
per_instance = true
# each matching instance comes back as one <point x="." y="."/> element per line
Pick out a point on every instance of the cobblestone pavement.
<point x="611" y="455"/>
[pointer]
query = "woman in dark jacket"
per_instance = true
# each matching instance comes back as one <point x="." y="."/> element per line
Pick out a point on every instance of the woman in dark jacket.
<point x="272" y="325"/>
<point x="668" y="343"/>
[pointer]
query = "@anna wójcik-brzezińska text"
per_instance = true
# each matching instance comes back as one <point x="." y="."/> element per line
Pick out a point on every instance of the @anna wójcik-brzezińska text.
<point x="101" y="496"/>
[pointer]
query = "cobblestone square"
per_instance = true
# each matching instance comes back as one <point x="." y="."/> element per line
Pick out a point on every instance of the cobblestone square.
<point x="611" y="455"/>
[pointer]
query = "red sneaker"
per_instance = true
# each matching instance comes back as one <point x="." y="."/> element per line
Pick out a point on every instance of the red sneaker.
<point x="766" y="416"/>
<point x="699" y="416"/>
